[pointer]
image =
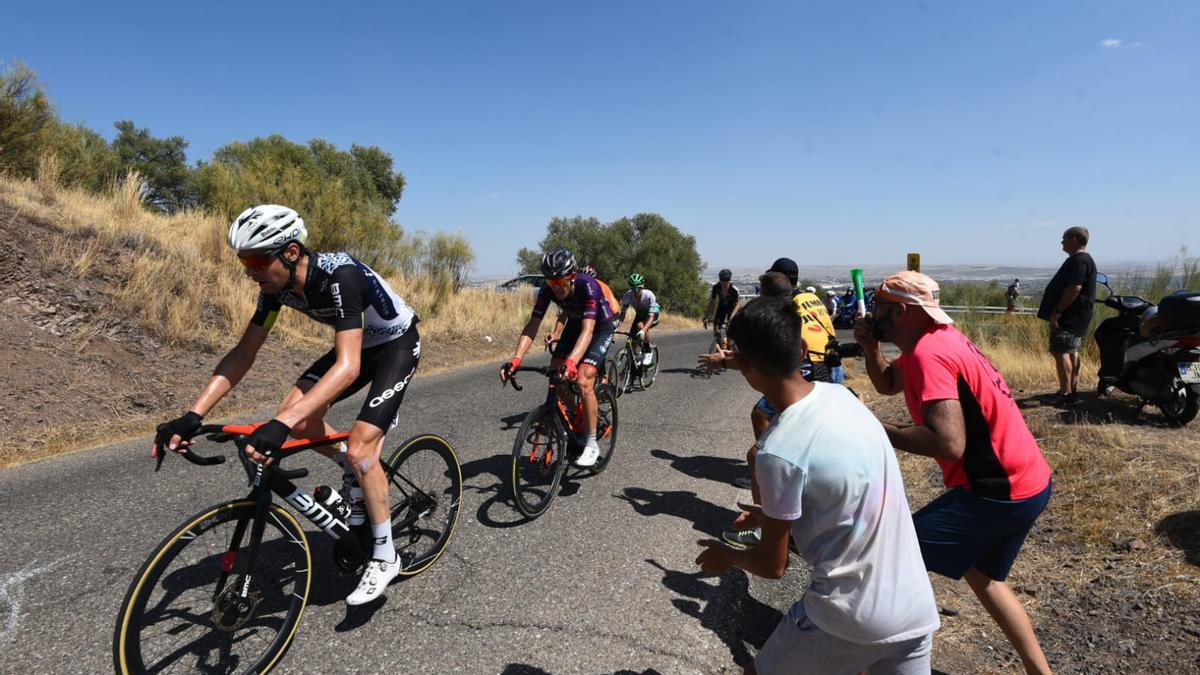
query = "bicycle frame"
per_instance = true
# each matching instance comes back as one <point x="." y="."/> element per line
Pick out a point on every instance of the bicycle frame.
<point x="267" y="480"/>
<point x="263" y="482"/>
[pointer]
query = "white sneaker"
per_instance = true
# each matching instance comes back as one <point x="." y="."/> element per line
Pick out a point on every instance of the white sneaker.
<point x="591" y="452"/>
<point x="647" y="358"/>
<point x="374" y="581"/>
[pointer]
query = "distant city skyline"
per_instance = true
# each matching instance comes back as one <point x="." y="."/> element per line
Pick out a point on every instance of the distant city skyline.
<point x="845" y="134"/>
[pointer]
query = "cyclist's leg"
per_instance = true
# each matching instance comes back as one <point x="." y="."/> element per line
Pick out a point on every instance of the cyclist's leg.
<point x="316" y="426"/>
<point x="390" y="368"/>
<point x="593" y="362"/>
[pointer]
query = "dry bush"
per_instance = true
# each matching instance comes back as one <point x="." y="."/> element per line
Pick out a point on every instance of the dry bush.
<point x="49" y="176"/>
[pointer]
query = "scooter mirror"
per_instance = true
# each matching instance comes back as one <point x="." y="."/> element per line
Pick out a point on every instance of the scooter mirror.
<point x="1102" y="278"/>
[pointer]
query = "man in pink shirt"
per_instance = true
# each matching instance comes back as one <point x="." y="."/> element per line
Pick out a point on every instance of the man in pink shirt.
<point x="965" y="418"/>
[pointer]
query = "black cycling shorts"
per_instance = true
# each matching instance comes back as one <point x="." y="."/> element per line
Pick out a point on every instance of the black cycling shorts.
<point x="639" y="322"/>
<point x="721" y="317"/>
<point x="388" y="368"/>
<point x="602" y="337"/>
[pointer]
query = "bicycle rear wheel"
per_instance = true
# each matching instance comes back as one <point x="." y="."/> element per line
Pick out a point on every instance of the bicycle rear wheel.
<point x="183" y="612"/>
<point x="425" y="494"/>
<point x="651" y="371"/>
<point x="539" y="461"/>
<point x="606" y="427"/>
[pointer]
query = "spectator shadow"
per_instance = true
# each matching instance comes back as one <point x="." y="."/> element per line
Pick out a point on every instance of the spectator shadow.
<point x="719" y="469"/>
<point x="704" y="516"/>
<point x="1183" y="531"/>
<point x="726" y="608"/>
<point x="692" y="372"/>
<point x="1095" y="409"/>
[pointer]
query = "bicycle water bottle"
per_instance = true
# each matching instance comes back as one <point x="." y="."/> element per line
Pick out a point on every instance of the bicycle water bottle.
<point x="330" y="499"/>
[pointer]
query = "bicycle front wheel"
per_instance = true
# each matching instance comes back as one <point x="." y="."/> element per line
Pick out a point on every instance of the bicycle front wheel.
<point x="425" y="493"/>
<point x="612" y="374"/>
<point x="184" y="611"/>
<point x="624" y="372"/>
<point x="650" y="372"/>
<point x="539" y="461"/>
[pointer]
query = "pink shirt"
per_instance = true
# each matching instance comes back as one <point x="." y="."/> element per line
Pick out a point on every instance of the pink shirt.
<point x="1002" y="460"/>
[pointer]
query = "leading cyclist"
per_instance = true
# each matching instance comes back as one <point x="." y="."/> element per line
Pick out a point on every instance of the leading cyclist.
<point x="375" y="342"/>
<point x="584" y="340"/>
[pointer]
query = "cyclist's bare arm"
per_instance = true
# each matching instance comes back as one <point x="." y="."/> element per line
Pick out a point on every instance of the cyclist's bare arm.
<point x="343" y="372"/>
<point x="527" y="336"/>
<point x="712" y="305"/>
<point x="559" y="323"/>
<point x="232" y="368"/>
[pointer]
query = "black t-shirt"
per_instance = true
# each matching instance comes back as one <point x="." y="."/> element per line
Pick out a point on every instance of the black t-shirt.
<point x="1078" y="268"/>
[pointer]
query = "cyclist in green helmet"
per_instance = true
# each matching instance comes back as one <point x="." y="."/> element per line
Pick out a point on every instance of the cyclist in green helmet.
<point x="645" y="312"/>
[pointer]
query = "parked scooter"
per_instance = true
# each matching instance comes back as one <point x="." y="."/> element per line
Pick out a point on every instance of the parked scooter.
<point x="1152" y="351"/>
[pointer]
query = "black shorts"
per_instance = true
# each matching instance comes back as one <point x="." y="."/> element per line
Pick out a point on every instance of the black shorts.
<point x="721" y="317"/>
<point x="602" y="337"/>
<point x="639" y="322"/>
<point x="387" y="367"/>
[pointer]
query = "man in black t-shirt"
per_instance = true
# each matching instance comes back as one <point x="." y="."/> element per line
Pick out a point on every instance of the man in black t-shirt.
<point x="1067" y="305"/>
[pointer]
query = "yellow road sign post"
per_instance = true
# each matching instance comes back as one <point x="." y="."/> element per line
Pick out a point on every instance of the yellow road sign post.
<point x="914" y="262"/>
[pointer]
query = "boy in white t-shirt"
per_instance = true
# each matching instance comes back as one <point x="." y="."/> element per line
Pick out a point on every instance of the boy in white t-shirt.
<point x="828" y="476"/>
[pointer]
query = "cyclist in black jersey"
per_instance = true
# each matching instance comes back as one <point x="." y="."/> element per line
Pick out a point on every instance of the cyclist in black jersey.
<point x="375" y="342"/>
<point x="724" y="300"/>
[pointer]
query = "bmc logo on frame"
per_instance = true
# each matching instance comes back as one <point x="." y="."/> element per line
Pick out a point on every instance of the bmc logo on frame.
<point x="388" y="393"/>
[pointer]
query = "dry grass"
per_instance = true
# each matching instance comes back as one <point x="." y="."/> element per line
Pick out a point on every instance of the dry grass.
<point x="179" y="281"/>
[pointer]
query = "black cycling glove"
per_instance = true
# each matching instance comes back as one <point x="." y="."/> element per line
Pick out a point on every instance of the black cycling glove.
<point x="185" y="427"/>
<point x="268" y="438"/>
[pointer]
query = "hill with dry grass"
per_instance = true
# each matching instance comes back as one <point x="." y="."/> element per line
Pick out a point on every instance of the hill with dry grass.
<point x="114" y="316"/>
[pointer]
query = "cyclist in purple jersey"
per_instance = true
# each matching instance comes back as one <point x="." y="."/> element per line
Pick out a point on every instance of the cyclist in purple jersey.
<point x="584" y="341"/>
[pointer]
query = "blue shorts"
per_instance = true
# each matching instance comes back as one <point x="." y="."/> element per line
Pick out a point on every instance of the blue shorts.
<point x="960" y="530"/>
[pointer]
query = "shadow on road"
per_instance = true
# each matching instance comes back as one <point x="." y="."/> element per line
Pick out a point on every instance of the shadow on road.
<point x="524" y="669"/>
<point x="513" y="422"/>
<point x="1183" y="531"/>
<point x="704" y="516"/>
<point x="719" y="469"/>
<point x="496" y="469"/>
<point x="726" y="608"/>
<point x="693" y="372"/>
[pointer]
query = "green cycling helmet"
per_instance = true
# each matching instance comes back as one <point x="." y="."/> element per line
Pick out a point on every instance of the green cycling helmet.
<point x="636" y="279"/>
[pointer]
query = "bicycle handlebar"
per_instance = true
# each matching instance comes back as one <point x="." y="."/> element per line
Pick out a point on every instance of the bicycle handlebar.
<point x="218" y="433"/>
<point x="512" y="376"/>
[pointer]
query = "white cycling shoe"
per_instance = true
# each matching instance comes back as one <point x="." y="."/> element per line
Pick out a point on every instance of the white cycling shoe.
<point x="591" y="453"/>
<point x="374" y="581"/>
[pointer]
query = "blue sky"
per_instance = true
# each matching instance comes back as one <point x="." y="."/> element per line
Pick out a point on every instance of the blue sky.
<point x="837" y="133"/>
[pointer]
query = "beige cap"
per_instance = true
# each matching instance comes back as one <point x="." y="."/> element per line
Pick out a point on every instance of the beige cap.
<point x="914" y="288"/>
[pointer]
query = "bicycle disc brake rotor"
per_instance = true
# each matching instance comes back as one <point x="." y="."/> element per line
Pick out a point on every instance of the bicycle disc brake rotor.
<point x="230" y="612"/>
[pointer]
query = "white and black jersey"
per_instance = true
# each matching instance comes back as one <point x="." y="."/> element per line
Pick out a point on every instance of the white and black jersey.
<point x="343" y="292"/>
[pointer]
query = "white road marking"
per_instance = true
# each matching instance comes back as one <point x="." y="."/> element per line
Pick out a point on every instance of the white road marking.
<point x="12" y="592"/>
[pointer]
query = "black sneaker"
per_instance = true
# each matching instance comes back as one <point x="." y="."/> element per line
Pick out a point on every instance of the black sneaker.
<point x="742" y="539"/>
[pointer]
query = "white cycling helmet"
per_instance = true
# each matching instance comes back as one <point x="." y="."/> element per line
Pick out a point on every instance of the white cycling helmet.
<point x="810" y="289"/>
<point x="266" y="226"/>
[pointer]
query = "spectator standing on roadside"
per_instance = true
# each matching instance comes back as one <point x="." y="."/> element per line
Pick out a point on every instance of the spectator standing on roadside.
<point x="830" y="479"/>
<point x="965" y="418"/>
<point x="1067" y="304"/>
<point x="1011" y="294"/>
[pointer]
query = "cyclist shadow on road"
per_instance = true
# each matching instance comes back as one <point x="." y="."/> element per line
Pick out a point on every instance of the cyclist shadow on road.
<point x="719" y="469"/>
<point x="498" y="510"/>
<point x="704" y="516"/>
<point x="726" y="608"/>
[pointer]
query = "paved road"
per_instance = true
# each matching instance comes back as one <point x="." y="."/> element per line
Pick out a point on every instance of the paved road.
<point x="602" y="583"/>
